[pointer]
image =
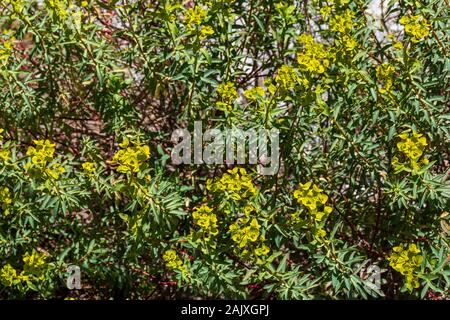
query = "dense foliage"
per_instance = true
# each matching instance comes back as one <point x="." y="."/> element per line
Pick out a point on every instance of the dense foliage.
<point x="91" y="91"/>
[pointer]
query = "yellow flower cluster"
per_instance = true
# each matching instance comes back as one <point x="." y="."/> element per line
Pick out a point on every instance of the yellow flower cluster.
<point x="342" y="23"/>
<point x="4" y="154"/>
<point x="407" y="261"/>
<point x="41" y="155"/>
<point x="325" y="11"/>
<point x="170" y="9"/>
<point x="8" y="275"/>
<point x="194" y="17"/>
<point x="253" y="94"/>
<point x="246" y="231"/>
<point x="58" y="7"/>
<point x="17" y="5"/>
<point x="411" y="146"/>
<point x="131" y="157"/>
<point x="262" y="250"/>
<point x="312" y="197"/>
<point x="34" y="267"/>
<point x="6" y="48"/>
<point x="314" y="57"/>
<point x="34" y="264"/>
<point x="205" y="32"/>
<point x="89" y="168"/>
<point x="396" y="44"/>
<point x="228" y="94"/>
<point x="206" y="220"/>
<point x="236" y="183"/>
<point x="5" y="200"/>
<point x="174" y="262"/>
<point x="347" y="42"/>
<point x="416" y="26"/>
<point x="193" y="20"/>
<point x="385" y="73"/>
<point x="242" y="231"/>
<point x="286" y="77"/>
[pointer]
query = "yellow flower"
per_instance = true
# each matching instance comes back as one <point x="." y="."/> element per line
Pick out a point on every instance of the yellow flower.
<point x="58" y="8"/>
<point x="320" y="233"/>
<point x="286" y="77"/>
<point x="227" y="92"/>
<point x="254" y="93"/>
<point x="310" y="195"/>
<point x="194" y="17"/>
<point x="16" y="4"/>
<point x="1" y="136"/>
<point x="7" y="275"/>
<point x="42" y="153"/>
<point x="242" y="233"/>
<point x="385" y="73"/>
<point x="55" y="170"/>
<point x="206" y="220"/>
<point x="88" y="167"/>
<point x="416" y="26"/>
<point x="325" y="11"/>
<point x="314" y="57"/>
<point x="6" y="47"/>
<point x="235" y="183"/>
<point x="262" y="250"/>
<point x="170" y="255"/>
<point x="407" y="261"/>
<point x="205" y="32"/>
<point x="342" y="23"/>
<point x="5" y="200"/>
<point x="173" y="261"/>
<point x="34" y="263"/>
<point x="412" y="146"/>
<point x="349" y="43"/>
<point x="131" y="158"/>
<point x="5" y="155"/>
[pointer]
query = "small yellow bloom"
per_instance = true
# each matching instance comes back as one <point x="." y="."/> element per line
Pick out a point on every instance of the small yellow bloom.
<point x="262" y="250"/>
<point x="416" y="26"/>
<point x="131" y="157"/>
<point x="313" y="57"/>
<point x="206" y="32"/>
<point x="194" y="17"/>
<point x="407" y="261"/>
<point x="342" y="23"/>
<point x="254" y="93"/>
<point x="7" y="275"/>
<point x="5" y="200"/>
<point x="286" y="77"/>
<point x="35" y="263"/>
<point x="325" y="11"/>
<point x="88" y="167"/>
<point x="173" y="261"/>
<point x="206" y="220"/>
